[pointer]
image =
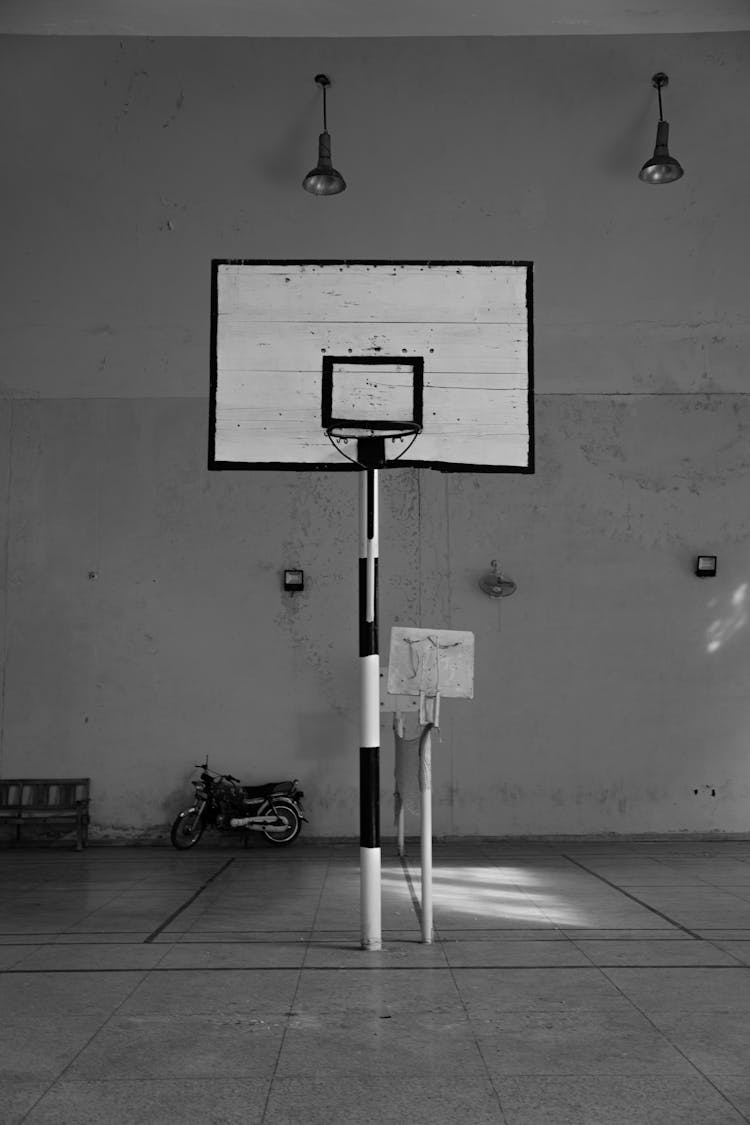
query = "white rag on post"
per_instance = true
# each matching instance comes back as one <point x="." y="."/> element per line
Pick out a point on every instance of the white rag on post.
<point x="406" y="792"/>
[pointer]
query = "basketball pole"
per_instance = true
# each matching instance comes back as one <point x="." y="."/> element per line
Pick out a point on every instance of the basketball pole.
<point x="369" y="743"/>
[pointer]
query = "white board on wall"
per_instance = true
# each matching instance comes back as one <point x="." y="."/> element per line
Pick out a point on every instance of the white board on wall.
<point x="467" y="327"/>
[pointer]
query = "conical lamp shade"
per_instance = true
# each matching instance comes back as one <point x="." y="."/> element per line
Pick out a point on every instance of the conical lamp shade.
<point x="324" y="179"/>
<point x="661" y="168"/>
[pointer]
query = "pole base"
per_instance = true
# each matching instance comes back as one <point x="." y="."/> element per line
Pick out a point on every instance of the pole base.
<point x="370" y="910"/>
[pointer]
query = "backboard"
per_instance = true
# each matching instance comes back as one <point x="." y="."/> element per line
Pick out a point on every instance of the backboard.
<point x="431" y="662"/>
<point x="443" y="347"/>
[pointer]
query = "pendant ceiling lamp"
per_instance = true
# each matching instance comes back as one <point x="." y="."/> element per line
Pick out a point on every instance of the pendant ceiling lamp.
<point x="661" y="168"/>
<point x="324" y="179"/>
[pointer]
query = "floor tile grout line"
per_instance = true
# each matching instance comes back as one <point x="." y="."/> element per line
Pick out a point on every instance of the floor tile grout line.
<point x="477" y="1044"/>
<point x="272" y="1079"/>
<point x="67" y="944"/>
<point x="31" y="950"/>
<point x="116" y="895"/>
<point x="432" y="967"/>
<point x="667" y="862"/>
<point x="661" y="914"/>
<point x="732" y="894"/>
<point x="629" y="1000"/>
<point x="142" y="975"/>
<point x="701" y="884"/>
<point x="577" y="943"/>
<point x="176" y="913"/>
<point x="36" y="1102"/>
<point x="312" y="928"/>
<point x="676" y="1048"/>
<point x="620" y="890"/>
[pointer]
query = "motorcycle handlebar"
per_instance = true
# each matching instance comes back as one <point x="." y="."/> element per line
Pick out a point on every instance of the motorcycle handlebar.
<point x="206" y="773"/>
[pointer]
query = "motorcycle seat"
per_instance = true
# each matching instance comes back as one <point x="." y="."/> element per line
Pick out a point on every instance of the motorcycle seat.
<point x="267" y="789"/>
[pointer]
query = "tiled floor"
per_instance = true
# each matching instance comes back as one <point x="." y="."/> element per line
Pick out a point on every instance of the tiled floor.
<point x="585" y="984"/>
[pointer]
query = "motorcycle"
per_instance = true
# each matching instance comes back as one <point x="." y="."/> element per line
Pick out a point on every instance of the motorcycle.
<point x="222" y="802"/>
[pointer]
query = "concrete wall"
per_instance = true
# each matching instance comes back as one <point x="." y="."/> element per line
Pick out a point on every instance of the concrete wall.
<point x="142" y="612"/>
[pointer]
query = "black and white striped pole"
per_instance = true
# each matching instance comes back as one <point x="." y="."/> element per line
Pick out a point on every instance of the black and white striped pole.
<point x="369" y="743"/>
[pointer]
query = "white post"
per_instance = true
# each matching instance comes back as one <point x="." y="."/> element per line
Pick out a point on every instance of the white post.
<point x="398" y="729"/>
<point x="425" y="790"/>
<point x="369" y="742"/>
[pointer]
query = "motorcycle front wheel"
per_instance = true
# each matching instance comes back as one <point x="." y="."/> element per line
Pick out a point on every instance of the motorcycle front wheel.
<point x="187" y="828"/>
<point x="288" y="829"/>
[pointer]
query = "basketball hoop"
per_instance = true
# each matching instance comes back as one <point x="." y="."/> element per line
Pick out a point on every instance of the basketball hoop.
<point x="371" y="437"/>
<point x="336" y="365"/>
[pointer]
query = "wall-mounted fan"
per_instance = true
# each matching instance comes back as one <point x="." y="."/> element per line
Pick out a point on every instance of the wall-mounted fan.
<point x="495" y="584"/>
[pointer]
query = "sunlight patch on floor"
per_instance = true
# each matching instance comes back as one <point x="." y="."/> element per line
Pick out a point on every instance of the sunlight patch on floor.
<point x="493" y="893"/>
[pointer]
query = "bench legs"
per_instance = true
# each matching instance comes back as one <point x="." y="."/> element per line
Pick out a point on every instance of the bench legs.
<point x="82" y="831"/>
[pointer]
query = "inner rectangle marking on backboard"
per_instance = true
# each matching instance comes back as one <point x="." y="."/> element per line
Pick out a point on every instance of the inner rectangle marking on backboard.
<point x="380" y="390"/>
<point x="372" y="393"/>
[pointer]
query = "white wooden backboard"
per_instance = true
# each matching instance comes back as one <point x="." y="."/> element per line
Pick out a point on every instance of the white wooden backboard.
<point x="431" y="662"/>
<point x="464" y="329"/>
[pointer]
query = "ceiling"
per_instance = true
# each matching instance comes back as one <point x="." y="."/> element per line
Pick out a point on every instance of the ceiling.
<point x="348" y="18"/>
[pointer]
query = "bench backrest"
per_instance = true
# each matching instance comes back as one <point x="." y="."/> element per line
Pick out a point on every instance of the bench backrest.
<point x="49" y="793"/>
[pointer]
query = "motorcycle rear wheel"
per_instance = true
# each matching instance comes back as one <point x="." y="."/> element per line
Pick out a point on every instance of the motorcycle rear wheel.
<point x="187" y="829"/>
<point x="288" y="831"/>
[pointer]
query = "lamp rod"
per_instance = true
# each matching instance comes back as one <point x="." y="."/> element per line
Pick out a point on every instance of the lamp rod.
<point x="659" y="80"/>
<point x="324" y="81"/>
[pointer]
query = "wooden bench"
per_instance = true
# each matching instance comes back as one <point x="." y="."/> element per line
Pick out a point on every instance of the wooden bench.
<point x="50" y="800"/>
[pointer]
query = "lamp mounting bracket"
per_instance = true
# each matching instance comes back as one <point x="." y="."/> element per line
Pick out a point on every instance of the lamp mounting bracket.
<point x="322" y="79"/>
<point x="659" y="80"/>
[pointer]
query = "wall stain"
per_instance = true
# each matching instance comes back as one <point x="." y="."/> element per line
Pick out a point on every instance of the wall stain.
<point x="135" y="78"/>
<point x="176" y="112"/>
